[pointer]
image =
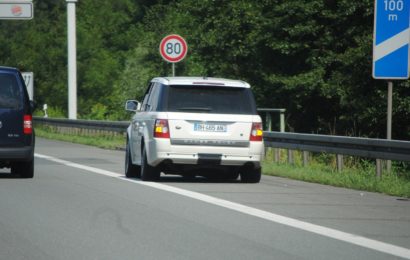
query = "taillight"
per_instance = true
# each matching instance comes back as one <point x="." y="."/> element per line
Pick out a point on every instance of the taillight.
<point x="27" y="124"/>
<point x="161" y="129"/>
<point x="256" y="132"/>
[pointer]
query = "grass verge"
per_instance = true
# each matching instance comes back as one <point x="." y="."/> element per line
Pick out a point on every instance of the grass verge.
<point x="100" y="140"/>
<point x="358" y="175"/>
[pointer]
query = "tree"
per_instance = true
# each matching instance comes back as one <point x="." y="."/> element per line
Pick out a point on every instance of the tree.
<point x="311" y="57"/>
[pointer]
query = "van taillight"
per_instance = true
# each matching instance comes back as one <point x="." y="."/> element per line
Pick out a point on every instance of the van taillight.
<point x="161" y="129"/>
<point x="256" y="132"/>
<point x="28" y="124"/>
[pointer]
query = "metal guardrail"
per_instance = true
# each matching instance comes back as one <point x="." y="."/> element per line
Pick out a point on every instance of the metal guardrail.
<point x="121" y="126"/>
<point x="355" y="146"/>
<point x="268" y="117"/>
<point x="107" y="126"/>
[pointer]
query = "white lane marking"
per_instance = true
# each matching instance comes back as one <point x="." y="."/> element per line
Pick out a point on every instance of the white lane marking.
<point x="392" y="44"/>
<point x="320" y="230"/>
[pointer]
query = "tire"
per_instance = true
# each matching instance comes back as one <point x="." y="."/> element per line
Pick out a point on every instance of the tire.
<point x="228" y="175"/>
<point x="24" y="169"/>
<point x="131" y="170"/>
<point x="232" y="174"/>
<point x="251" y="175"/>
<point x="148" y="173"/>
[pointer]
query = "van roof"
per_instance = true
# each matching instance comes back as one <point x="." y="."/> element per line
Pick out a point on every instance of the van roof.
<point x="4" y="68"/>
<point x="203" y="81"/>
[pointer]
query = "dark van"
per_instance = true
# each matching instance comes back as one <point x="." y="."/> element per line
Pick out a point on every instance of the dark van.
<point x="16" y="125"/>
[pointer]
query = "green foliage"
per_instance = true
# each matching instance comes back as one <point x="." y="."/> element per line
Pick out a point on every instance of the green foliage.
<point x="98" y="112"/>
<point x="357" y="174"/>
<point x="311" y="57"/>
<point x="54" y="112"/>
<point x="105" y="141"/>
<point x="38" y="45"/>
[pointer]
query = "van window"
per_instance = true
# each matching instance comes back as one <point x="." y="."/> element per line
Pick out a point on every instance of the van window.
<point x="10" y="95"/>
<point x="211" y="99"/>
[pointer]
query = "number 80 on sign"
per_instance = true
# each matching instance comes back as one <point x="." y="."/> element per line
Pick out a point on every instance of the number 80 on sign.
<point x="173" y="48"/>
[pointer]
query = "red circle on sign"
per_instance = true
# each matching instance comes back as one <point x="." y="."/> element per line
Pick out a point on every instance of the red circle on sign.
<point x="16" y="10"/>
<point x="173" y="48"/>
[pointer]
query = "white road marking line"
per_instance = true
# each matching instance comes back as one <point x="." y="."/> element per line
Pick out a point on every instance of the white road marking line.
<point x="320" y="230"/>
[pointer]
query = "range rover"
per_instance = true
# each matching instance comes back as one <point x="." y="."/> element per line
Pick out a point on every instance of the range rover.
<point x="195" y="126"/>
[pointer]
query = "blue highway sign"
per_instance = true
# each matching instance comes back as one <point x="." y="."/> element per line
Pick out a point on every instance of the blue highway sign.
<point x="391" y="41"/>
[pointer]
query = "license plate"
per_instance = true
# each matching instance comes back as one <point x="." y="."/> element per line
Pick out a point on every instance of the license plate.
<point x="207" y="127"/>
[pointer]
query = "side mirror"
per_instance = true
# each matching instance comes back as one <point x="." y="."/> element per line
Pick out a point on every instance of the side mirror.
<point x="132" y="105"/>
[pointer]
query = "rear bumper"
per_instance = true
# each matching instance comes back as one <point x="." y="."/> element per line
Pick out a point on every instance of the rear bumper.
<point x="161" y="150"/>
<point x="194" y="158"/>
<point x="24" y="153"/>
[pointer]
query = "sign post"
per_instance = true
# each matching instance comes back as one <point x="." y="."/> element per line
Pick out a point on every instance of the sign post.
<point x="173" y="48"/>
<point x="72" y="59"/>
<point x="391" y="47"/>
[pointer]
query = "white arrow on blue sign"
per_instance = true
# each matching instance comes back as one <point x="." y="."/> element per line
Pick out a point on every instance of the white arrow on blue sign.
<point x="391" y="43"/>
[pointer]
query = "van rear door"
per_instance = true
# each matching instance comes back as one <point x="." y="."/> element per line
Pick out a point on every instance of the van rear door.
<point x="11" y="111"/>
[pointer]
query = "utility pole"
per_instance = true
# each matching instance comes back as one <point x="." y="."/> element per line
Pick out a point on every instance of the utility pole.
<point x="72" y="59"/>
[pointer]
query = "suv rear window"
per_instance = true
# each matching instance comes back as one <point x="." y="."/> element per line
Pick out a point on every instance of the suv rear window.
<point x="210" y="99"/>
<point x="10" y="96"/>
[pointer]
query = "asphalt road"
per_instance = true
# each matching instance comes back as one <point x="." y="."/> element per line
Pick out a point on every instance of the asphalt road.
<point x="80" y="206"/>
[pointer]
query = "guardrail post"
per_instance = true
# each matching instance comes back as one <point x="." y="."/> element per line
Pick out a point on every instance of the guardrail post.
<point x="305" y="158"/>
<point x="277" y="155"/>
<point x="388" y="166"/>
<point x="339" y="163"/>
<point x="282" y="127"/>
<point x="290" y="156"/>
<point x="378" y="168"/>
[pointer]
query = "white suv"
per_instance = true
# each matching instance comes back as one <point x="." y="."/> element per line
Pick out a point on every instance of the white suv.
<point x="195" y="126"/>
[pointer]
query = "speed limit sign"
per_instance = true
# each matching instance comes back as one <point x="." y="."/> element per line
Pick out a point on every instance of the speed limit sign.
<point x="173" y="48"/>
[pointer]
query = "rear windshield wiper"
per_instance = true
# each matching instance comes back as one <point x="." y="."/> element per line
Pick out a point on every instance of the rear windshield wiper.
<point x="206" y="109"/>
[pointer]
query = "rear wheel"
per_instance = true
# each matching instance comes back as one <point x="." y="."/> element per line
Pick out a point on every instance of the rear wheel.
<point x="131" y="170"/>
<point x="251" y="175"/>
<point x="148" y="172"/>
<point x="232" y="174"/>
<point x="24" y="169"/>
<point x="227" y="174"/>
